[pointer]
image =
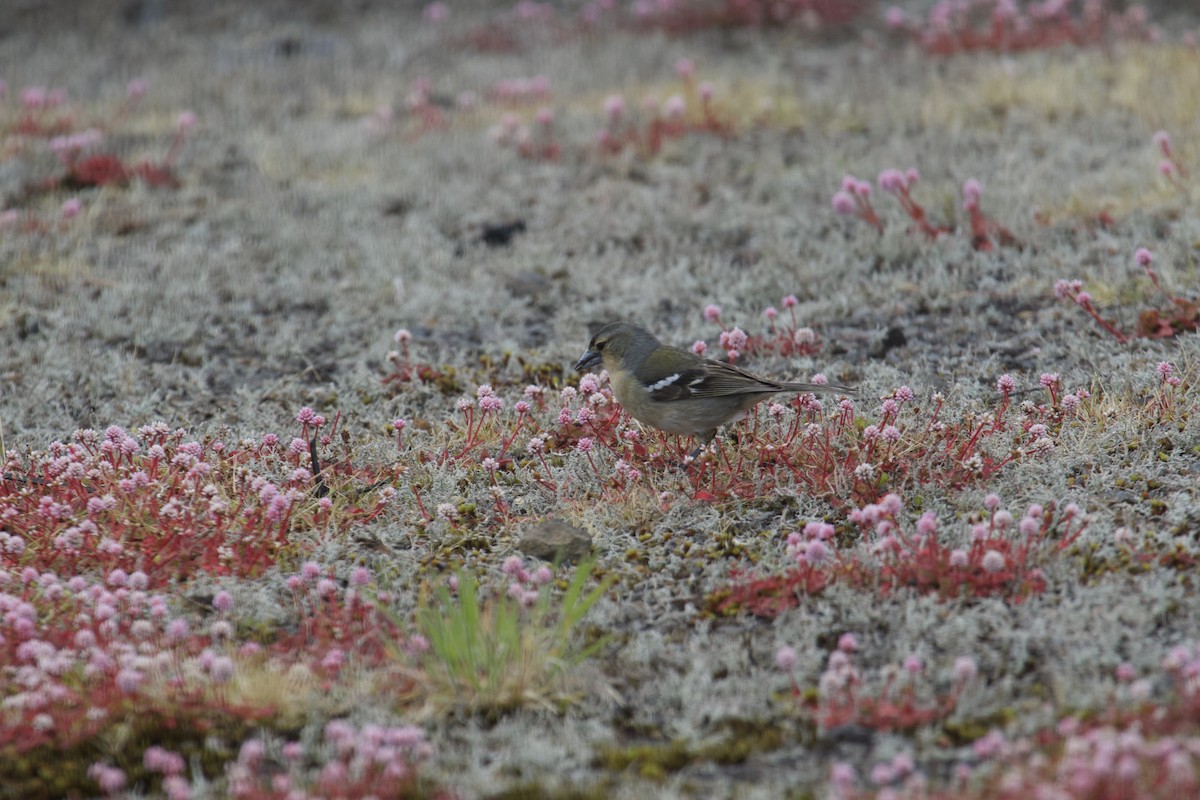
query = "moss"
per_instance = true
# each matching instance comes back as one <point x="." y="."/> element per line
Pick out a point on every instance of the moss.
<point x="50" y="772"/>
<point x="599" y="790"/>
<point x="964" y="731"/>
<point x="746" y="738"/>
<point x="655" y="761"/>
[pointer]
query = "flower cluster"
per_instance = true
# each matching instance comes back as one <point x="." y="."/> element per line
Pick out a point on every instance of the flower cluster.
<point x="997" y="557"/>
<point x="854" y="199"/>
<point x="1005" y="26"/>
<point x="161" y="505"/>
<point x="900" y="699"/>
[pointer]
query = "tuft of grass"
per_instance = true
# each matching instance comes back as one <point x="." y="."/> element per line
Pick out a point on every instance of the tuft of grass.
<point x="491" y="655"/>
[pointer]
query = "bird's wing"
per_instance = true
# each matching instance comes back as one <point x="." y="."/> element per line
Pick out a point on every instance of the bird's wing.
<point x="708" y="378"/>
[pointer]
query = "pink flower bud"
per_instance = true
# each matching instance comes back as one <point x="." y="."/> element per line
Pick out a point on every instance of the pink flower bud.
<point x="614" y="107"/>
<point x="843" y="203"/>
<point x="972" y="193"/>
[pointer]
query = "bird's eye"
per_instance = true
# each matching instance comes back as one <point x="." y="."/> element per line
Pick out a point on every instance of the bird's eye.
<point x="598" y="345"/>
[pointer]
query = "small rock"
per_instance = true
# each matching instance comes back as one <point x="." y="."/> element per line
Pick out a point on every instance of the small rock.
<point x="553" y="538"/>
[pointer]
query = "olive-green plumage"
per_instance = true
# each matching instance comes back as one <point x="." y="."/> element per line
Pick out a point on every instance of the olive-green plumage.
<point x="675" y="390"/>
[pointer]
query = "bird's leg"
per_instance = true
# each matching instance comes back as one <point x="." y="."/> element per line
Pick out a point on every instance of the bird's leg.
<point x="705" y="440"/>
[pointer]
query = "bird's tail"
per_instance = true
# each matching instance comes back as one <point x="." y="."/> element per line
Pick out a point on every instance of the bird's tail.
<point x="819" y="388"/>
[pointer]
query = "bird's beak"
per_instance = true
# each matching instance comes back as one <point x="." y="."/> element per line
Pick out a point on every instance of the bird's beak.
<point x="588" y="360"/>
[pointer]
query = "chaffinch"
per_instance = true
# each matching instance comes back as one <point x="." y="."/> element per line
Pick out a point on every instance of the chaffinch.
<point x="675" y="390"/>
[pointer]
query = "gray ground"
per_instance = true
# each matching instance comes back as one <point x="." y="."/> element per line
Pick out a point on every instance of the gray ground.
<point x="301" y="240"/>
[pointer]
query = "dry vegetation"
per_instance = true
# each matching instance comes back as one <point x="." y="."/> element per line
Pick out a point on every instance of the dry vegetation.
<point x="291" y="437"/>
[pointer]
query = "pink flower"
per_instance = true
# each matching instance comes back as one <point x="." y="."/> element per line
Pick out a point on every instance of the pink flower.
<point x="990" y="745"/>
<point x="187" y="120"/>
<point x="128" y="680"/>
<point x="71" y="208"/>
<point x="222" y="668"/>
<point x="706" y="91"/>
<point x="33" y="97"/>
<point x="685" y="69"/>
<point x="712" y="312"/>
<point x="892" y="180"/>
<point x="843" y="203"/>
<point x="843" y="778"/>
<point x="882" y="774"/>
<point x="789" y="301"/>
<point x="614" y="107"/>
<point x="1006" y="384"/>
<point x="895" y="17"/>
<point x="436" y="12"/>
<point x="1064" y="288"/>
<point x="137" y="88"/>
<point x="1164" y="369"/>
<point x="674" y="107"/>
<point x="972" y="193"/>
<point x="222" y="601"/>
<point x="991" y="501"/>
<point x="965" y="668"/>
<point x="993" y="561"/>
<point x="913" y="665"/>
<point x="1143" y="257"/>
<point x="847" y="643"/>
<point x="815" y="552"/>
<point x="177" y="630"/>
<point x="785" y="658"/>
<point x="111" y="779"/>
<point x="1125" y="672"/>
<point x="733" y="339"/>
<point x="1162" y="140"/>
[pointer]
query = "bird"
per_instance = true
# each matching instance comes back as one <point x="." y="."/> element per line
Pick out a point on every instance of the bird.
<point x="675" y="390"/>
